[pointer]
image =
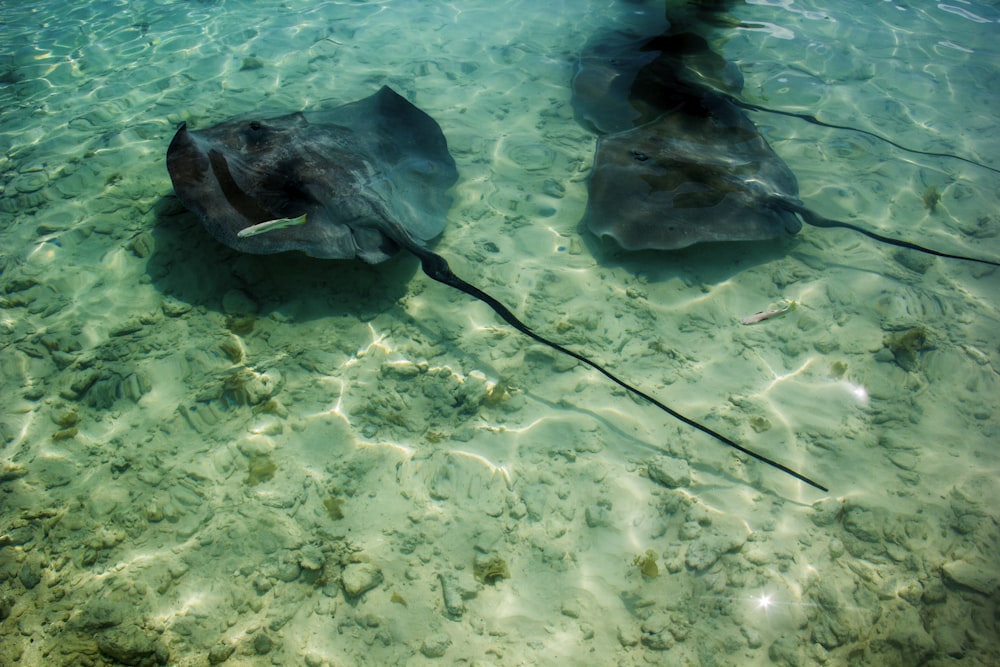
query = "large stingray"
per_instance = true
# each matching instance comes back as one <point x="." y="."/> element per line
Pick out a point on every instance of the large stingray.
<point x="679" y="162"/>
<point x="359" y="181"/>
<point x="691" y="176"/>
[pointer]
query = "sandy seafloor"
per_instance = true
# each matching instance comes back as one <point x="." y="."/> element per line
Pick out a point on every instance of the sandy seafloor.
<point x="203" y="452"/>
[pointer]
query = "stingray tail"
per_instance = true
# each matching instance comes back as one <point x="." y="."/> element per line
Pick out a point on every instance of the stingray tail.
<point x="437" y="268"/>
<point x="750" y="106"/>
<point x="819" y="221"/>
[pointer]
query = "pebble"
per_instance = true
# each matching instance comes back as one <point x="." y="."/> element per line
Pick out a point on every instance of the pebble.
<point x="359" y="578"/>
<point x="220" y="653"/>
<point x="452" y="595"/>
<point x="704" y="551"/>
<point x="435" y="645"/>
<point x="669" y="472"/>
<point x="572" y="609"/>
<point x="174" y="308"/>
<point x="311" y="558"/>
<point x="28" y="576"/>
<point x="825" y="512"/>
<point x="262" y="643"/>
<point x="627" y="636"/>
<point x="753" y="637"/>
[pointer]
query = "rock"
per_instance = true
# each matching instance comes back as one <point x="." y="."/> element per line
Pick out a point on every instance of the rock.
<point x="845" y="619"/>
<point x="786" y="651"/>
<point x="704" y="551"/>
<point x="934" y="592"/>
<point x="669" y="472"/>
<point x="311" y="558"/>
<point x="131" y="326"/>
<point x="753" y="637"/>
<point x="359" y="578"/>
<point x="451" y="593"/>
<point x="29" y="576"/>
<point x="284" y="567"/>
<point x="6" y="606"/>
<point x="131" y="645"/>
<point x="656" y="632"/>
<point x="10" y="471"/>
<point x="825" y="511"/>
<point x="864" y="524"/>
<point x="627" y="636"/>
<point x="100" y="614"/>
<point x="979" y="577"/>
<point x="262" y="643"/>
<point x="689" y="530"/>
<point x="220" y="653"/>
<point x="174" y="308"/>
<point x="18" y="536"/>
<point x="435" y="645"/>
<point x="571" y="608"/>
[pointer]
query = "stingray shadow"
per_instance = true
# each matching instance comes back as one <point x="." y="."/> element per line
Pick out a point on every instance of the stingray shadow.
<point x="189" y="265"/>
<point x="711" y="264"/>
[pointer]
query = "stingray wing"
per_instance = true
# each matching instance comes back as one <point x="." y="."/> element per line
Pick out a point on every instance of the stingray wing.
<point x="408" y="167"/>
<point x="690" y="178"/>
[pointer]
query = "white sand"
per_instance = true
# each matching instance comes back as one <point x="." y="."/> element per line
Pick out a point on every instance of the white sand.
<point x="205" y="454"/>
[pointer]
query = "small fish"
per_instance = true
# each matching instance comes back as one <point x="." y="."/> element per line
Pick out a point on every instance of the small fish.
<point x="781" y="309"/>
<point x="271" y="225"/>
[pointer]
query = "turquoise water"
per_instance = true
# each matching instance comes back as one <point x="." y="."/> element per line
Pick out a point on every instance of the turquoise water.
<point x="274" y="460"/>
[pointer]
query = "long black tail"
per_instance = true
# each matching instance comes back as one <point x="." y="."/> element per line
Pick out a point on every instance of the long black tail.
<point x="819" y="221"/>
<point x="437" y="268"/>
<point x="816" y="121"/>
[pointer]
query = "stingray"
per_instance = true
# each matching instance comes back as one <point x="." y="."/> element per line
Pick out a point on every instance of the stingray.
<point x="679" y="162"/>
<point x="359" y="181"/>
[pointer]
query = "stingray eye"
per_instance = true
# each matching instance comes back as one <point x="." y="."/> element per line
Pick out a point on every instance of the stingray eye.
<point x="255" y="125"/>
<point x="641" y="157"/>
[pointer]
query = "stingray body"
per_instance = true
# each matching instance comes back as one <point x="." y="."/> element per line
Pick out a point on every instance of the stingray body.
<point x="678" y="161"/>
<point x="665" y="185"/>
<point x="358" y="180"/>
<point x="362" y="180"/>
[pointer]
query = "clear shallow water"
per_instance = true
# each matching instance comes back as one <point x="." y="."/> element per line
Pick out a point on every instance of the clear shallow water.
<point x="201" y="450"/>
